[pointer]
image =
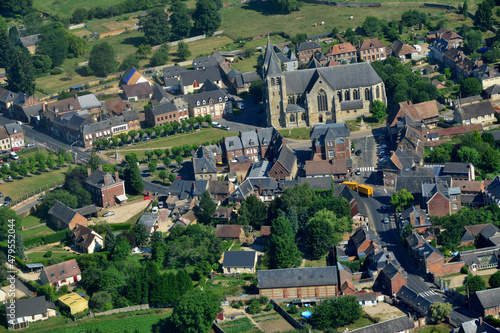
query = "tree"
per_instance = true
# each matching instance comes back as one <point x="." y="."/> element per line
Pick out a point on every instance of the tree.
<point x="201" y="270"/>
<point x="256" y="90"/>
<point x="163" y="175"/>
<point x="282" y="251"/>
<point x="475" y="283"/>
<point x="109" y="241"/>
<point x="470" y="87"/>
<point x="93" y="162"/>
<point x="378" y="110"/>
<point x="179" y="159"/>
<point x="337" y="312"/>
<point x="53" y="42"/>
<point x="129" y="61"/>
<point x="412" y="17"/>
<point x="494" y="280"/>
<point x="179" y="20"/>
<point x="372" y="26"/>
<point x="285" y="6"/>
<point x="206" y="17"/>
<point x="21" y="73"/>
<point x="439" y="311"/>
<point x="465" y="10"/>
<point x="13" y="35"/>
<point x="133" y="179"/>
<point x="161" y="56"/>
<point x="152" y="167"/>
<point x="76" y="45"/>
<point x="19" y="251"/>
<point x="206" y="208"/>
<point x="195" y="312"/>
<point x="102" y="59"/>
<point x="183" y="51"/>
<point x="141" y="234"/>
<point x="155" y="27"/>
<point x="50" y="199"/>
<point x="473" y="40"/>
<point x="80" y="15"/>
<point x="143" y="51"/>
<point x="50" y="161"/>
<point x="469" y="155"/>
<point x="401" y="199"/>
<point x="101" y="301"/>
<point x="483" y="16"/>
<point x="121" y="250"/>
<point x="319" y="235"/>
<point x="252" y="212"/>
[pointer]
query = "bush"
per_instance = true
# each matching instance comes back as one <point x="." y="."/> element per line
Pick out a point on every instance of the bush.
<point x="269" y="307"/>
<point x="293" y="310"/>
<point x="235" y="305"/>
<point x="263" y="300"/>
<point x="55" y="237"/>
<point x="47" y="254"/>
<point x="464" y="270"/>
<point x="254" y="307"/>
<point x="33" y="241"/>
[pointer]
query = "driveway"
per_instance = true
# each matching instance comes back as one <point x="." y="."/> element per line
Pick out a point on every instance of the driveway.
<point x="123" y="213"/>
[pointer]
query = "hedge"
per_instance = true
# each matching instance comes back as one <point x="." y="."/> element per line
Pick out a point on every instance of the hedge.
<point x="19" y="263"/>
<point x="493" y="321"/>
<point x="120" y="226"/>
<point x="33" y="241"/>
<point x="46" y="239"/>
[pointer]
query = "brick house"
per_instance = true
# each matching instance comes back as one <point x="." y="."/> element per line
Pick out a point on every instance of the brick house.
<point x="63" y="217"/>
<point x="89" y="133"/>
<point x="364" y="241"/>
<point x="306" y="50"/>
<point x="233" y="147"/>
<point x="16" y="135"/>
<point x="131" y="118"/>
<point x="105" y="189"/>
<point x="330" y="141"/>
<point x="64" y="273"/>
<point x="298" y="282"/>
<point x="250" y="143"/>
<point x="343" y="51"/>
<point x="239" y="262"/>
<point x="416" y="217"/>
<point x="429" y="259"/>
<point x="159" y="95"/>
<point x="471" y="231"/>
<point x="371" y="50"/>
<point x="210" y="100"/>
<point x="392" y="279"/>
<point x="160" y="114"/>
<point x="486" y="302"/>
<point x="285" y="167"/>
<point x="220" y="190"/>
<point x="90" y="103"/>
<point x="25" y="107"/>
<point x="459" y="171"/>
<point x="86" y="239"/>
<point x="439" y="199"/>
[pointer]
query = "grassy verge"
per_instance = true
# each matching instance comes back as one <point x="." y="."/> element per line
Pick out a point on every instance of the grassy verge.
<point x="296" y="133"/>
<point x="57" y="253"/>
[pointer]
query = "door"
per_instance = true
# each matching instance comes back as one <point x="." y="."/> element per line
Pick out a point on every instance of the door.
<point x="75" y="278"/>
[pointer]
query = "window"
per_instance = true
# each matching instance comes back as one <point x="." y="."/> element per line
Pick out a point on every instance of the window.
<point x="347" y="95"/>
<point x="320" y="118"/>
<point x="272" y="82"/>
<point x="204" y="109"/>
<point x="454" y="197"/>
<point x="303" y="116"/>
<point x="197" y="102"/>
<point x="339" y="95"/>
<point x="330" y="143"/>
<point x="331" y="154"/>
<point x="367" y="94"/>
<point x="377" y="91"/>
<point x="292" y="118"/>
<point x="220" y="99"/>
<point x="455" y="206"/>
<point x="221" y="106"/>
<point x="322" y="101"/>
<point x="204" y="102"/>
<point x="355" y="94"/>
<point x="211" y="102"/>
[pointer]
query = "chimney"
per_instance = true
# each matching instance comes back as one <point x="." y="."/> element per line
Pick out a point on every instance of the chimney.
<point x="44" y="107"/>
<point x="422" y="219"/>
<point x="480" y="320"/>
<point x="412" y="219"/>
<point x="389" y="257"/>
<point x="89" y="172"/>
<point x="105" y="178"/>
<point x="492" y="72"/>
<point x="260" y="187"/>
<point x="117" y="179"/>
<point x="100" y="167"/>
<point x="194" y="186"/>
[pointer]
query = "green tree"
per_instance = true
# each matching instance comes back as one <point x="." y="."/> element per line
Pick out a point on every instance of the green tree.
<point x="319" y="235"/>
<point x="163" y="175"/>
<point x="155" y="27"/>
<point x="195" y="312"/>
<point x="256" y="90"/>
<point x="439" y="311"/>
<point x="183" y="51"/>
<point x="133" y="179"/>
<point x="121" y="250"/>
<point x="473" y="40"/>
<point x="13" y="35"/>
<point x="285" y="6"/>
<point x="179" y="159"/>
<point x="50" y="161"/>
<point x="76" y="45"/>
<point x="337" y="312"/>
<point x="129" y="61"/>
<point x="152" y="167"/>
<point x="201" y="270"/>
<point x="441" y="154"/>
<point x="483" y="16"/>
<point x="80" y="15"/>
<point x="252" y="212"/>
<point x="401" y="199"/>
<point x="143" y="51"/>
<point x="180" y="21"/>
<point x="494" y="280"/>
<point x="470" y="87"/>
<point x="465" y="10"/>
<point x="378" y="110"/>
<point x="109" y="240"/>
<point x="102" y="59"/>
<point x="469" y="155"/>
<point x="21" y="73"/>
<point x="206" y="208"/>
<point x="372" y="26"/>
<point x="94" y="161"/>
<point x="53" y="42"/>
<point x="101" y="301"/>
<point x="475" y="283"/>
<point x="206" y="16"/>
<point x="141" y="234"/>
<point x="50" y="199"/>
<point x="161" y="56"/>
<point x="282" y="251"/>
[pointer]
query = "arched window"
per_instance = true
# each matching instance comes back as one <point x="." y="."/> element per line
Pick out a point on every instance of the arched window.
<point x="278" y="81"/>
<point x="303" y="116"/>
<point x="292" y="118"/>
<point x="347" y="95"/>
<point x="322" y="101"/>
<point x="320" y="119"/>
<point x="377" y="92"/>
<point x="339" y="94"/>
<point x="367" y="94"/>
<point x="272" y="81"/>
<point x="355" y="94"/>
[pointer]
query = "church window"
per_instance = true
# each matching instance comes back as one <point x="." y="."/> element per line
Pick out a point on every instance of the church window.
<point x="367" y="94"/>
<point x="377" y="92"/>
<point x="278" y="81"/>
<point x="322" y="101"/>
<point x="272" y="81"/>
<point x="320" y="119"/>
<point x="339" y="94"/>
<point x="355" y="94"/>
<point x="292" y="118"/>
<point x="347" y="95"/>
<point x="303" y="116"/>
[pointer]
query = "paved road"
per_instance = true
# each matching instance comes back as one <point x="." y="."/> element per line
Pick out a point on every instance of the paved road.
<point x="248" y="120"/>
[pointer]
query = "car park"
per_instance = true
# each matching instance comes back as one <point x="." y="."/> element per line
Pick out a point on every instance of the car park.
<point x="108" y="214"/>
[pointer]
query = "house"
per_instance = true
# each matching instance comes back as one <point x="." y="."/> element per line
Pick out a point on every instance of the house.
<point x="132" y="76"/>
<point x="487" y="75"/>
<point x="397" y="325"/>
<point x="86" y="239"/>
<point x="371" y="50"/>
<point x="21" y="313"/>
<point x="250" y="143"/>
<point x="426" y="112"/>
<point x="364" y="241"/>
<point x="223" y="214"/>
<point x="116" y="106"/>
<point x="489" y="236"/>
<point x="414" y="301"/>
<point x="483" y="258"/>
<point x="459" y="62"/>
<point x="486" y="302"/>
<point x="64" y="273"/>
<point x="298" y="282"/>
<point x="150" y="220"/>
<point x="74" y="302"/>
<point x="241" y="81"/>
<point x="342" y="52"/>
<point x="479" y="113"/>
<point x="339" y="169"/>
<point x="159" y="95"/>
<point x="330" y="141"/>
<point x="187" y="219"/>
<point x="25" y="108"/>
<point x="205" y="62"/>
<point x="175" y="71"/>
<point x="220" y="190"/>
<point x="138" y="91"/>
<point x="16" y="135"/>
<point x="416" y="217"/>
<point x="452" y="39"/>
<point x="131" y="119"/>
<point x="471" y="232"/>
<point x="403" y="51"/>
<point x="239" y="262"/>
<point x="63" y="217"/>
<point x="234" y="148"/>
<point x="4" y="139"/>
<point x="29" y="42"/>
<point x="439" y="199"/>
<point x="306" y="50"/>
<point x="160" y="114"/>
<point x="429" y="259"/>
<point x="191" y="81"/>
<point x="90" y="103"/>
<point x="399" y="162"/>
<point x="359" y="212"/>
<point x="210" y="100"/>
<point x="475" y="326"/>
<point x="492" y="192"/>
<point x="459" y="171"/>
<point x="285" y="167"/>
<point x="87" y="133"/>
<point x="204" y="165"/>
<point x="230" y="232"/>
<point x="7" y="99"/>
<point x="392" y="279"/>
<point x="105" y="189"/>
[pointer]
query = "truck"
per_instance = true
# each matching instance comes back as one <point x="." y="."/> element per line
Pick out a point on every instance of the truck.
<point x="352" y="185"/>
<point x="365" y="189"/>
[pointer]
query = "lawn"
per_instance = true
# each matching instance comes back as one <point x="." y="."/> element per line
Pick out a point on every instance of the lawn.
<point x="43" y="230"/>
<point x="224" y="286"/>
<point x="137" y="321"/>
<point x="205" y="46"/>
<point x="316" y="263"/>
<point x="30" y="221"/>
<point x="39" y="256"/>
<point x="247" y="65"/>
<point x="296" y="133"/>
<point x="22" y="187"/>
<point x="361" y="322"/>
<point x="66" y="7"/>
<point x="239" y="325"/>
<point x="434" y="329"/>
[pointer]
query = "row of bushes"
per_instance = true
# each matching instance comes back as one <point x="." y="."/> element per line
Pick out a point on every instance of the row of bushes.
<point x="47" y="239"/>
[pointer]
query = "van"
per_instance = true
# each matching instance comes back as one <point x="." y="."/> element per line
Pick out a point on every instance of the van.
<point x="14" y="156"/>
<point x="215" y="124"/>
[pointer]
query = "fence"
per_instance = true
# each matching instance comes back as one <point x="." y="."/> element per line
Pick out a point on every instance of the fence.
<point x="217" y="328"/>
<point x="435" y="5"/>
<point x="120" y="310"/>
<point x="286" y="316"/>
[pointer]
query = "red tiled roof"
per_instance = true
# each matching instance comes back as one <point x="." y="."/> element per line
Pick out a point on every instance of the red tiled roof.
<point x="61" y="271"/>
<point x="370" y="44"/>
<point x="458" y="130"/>
<point x="340" y="49"/>
<point x="227" y="231"/>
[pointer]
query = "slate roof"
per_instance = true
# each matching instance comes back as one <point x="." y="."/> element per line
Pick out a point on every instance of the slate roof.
<point x="297" y="277"/>
<point x="87" y="210"/>
<point x="159" y="95"/>
<point x="242" y="191"/>
<point x="62" y="212"/>
<point x="181" y="188"/>
<point x="129" y="115"/>
<point x="233" y="143"/>
<point x="171" y="71"/>
<point x="338" y="129"/>
<point x="249" y="139"/>
<point x="286" y="158"/>
<point x="399" y="48"/>
<point x="414" y="300"/>
<point x="239" y="259"/>
<point x="163" y="108"/>
<point x="493" y="188"/>
<point x="467" y="237"/>
<point x="489" y="298"/>
<point x="29" y="40"/>
<point x="64" y="105"/>
<point x="61" y="271"/>
<point x="265" y="135"/>
<point x="417" y="213"/>
<point x="138" y="89"/>
<point x="200" y="76"/>
<point x="390" y="271"/>
<point x="456" y="168"/>
<point x="488" y="255"/>
<point x="493" y="90"/>
<point x="13" y="128"/>
<point x="89" y="101"/>
<point x="354" y="104"/>
<point x="204" y="161"/>
<point x="308" y="46"/>
<point x="489" y="231"/>
<point x="476" y="110"/>
<point x="29" y="307"/>
<point x="400" y="324"/>
<point x="475" y="229"/>
<point x="103" y="125"/>
<point x="206" y="61"/>
<point x="338" y="77"/>
<point x="97" y="178"/>
<point x="209" y="91"/>
<point x="426" y="250"/>
<point x="259" y="169"/>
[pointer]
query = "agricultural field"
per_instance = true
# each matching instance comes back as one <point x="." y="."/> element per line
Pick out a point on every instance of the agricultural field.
<point x="66" y="7"/>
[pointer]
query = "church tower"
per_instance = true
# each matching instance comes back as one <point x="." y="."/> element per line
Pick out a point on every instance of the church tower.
<point x="274" y="88"/>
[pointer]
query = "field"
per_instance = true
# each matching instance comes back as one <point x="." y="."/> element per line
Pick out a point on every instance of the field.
<point x="66" y="7"/>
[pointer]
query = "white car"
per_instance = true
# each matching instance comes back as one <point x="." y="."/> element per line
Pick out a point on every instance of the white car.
<point x="240" y="105"/>
<point x="14" y="156"/>
<point x="215" y="124"/>
<point x="108" y="214"/>
<point x="160" y="204"/>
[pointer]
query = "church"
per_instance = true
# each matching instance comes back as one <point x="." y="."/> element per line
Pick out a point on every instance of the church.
<point x="312" y="96"/>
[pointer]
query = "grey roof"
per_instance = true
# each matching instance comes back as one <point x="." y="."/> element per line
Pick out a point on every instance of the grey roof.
<point x="489" y="231"/>
<point x="489" y="298"/>
<point x="414" y="239"/>
<point x="159" y="94"/>
<point x="181" y="188"/>
<point x="493" y="90"/>
<point x="338" y="129"/>
<point x="62" y="212"/>
<point x="351" y="105"/>
<point x="103" y="125"/>
<point x="206" y="61"/>
<point x="493" y="188"/>
<point x="13" y="128"/>
<point x="29" y="40"/>
<point x="89" y="101"/>
<point x="308" y="46"/>
<point x="317" y="183"/>
<point x="456" y="168"/>
<point x="138" y="89"/>
<point x="475" y="110"/>
<point x="204" y="161"/>
<point x="426" y="250"/>
<point x="294" y="108"/>
<point x="417" y="211"/>
<point x="274" y="68"/>
<point x="249" y="77"/>
<point x="412" y="183"/>
<point x="338" y="77"/>
<point x="242" y="191"/>
<point x="29" y="307"/>
<point x="209" y="91"/>
<point x="249" y="139"/>
<point x="400" y="324"/>
<point x="200" y="186"/>
<point x="474" y="326"/>
<point x="171" y="71"/>
<point x="265" y="135"/>
<point x="297" y="277"/>
<point x="163" y="108"/>
<point x="97" y="178"/>
<point x="287" y="158"/>
<point x="467" y="237"/>
<point x="239" y="259"/>
<point x="233" y="143"/>
<point x="487" y="255"/>
<point x="173" y="81"/>
<point x="130" y="115"/>
<point x="87" y="210"/>
<point x="390" y="271"/>
<point x="259" y="169"/>
<point x="200" y="76"/>
<point x="414" y="300"/>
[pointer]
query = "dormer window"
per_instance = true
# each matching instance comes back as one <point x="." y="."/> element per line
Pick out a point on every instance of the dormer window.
<point x="198" y="103"/>
<point x="225" y="98"/>
<point x="220" y="99"/>
<point x="211" y="102"/>
<point x="204" y="102"/>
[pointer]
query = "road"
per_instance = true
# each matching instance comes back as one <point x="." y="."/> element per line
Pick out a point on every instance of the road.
<point x="248" y="120"/>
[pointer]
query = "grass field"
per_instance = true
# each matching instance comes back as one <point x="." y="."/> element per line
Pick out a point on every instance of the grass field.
<point x="316" y="263"/>
<point x="240" y="325"/>
<point x="43" y="230"/>
<point x="296" y="133"/>
<point x="247" y="65"/>
<point x="436" y="329"/>
<point x="30" y="221"/>
<point x="66" y="7"/>
<point x="56" y="254"/>
<point x="361" y="322"/>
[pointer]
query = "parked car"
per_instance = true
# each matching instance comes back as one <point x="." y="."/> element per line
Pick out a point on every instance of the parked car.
<point x="31" y="145"/>
<point x="145" y="138"/>
<point x="386" y="220"/>
<point x="1" y="194"/>
<point x="384" y="207"/>
<point x="176" y="170"/>
<point x="358" y="152"/>
<point x="358" y="172"/>
<point x="240" y="105"/>
<point x="160" y="204"/>
<point x="215" y="124"/>
<point x="14" y="156"/>
<point x="7" y="200"/>
<point x="154" y="210"/>
<point x="179" y="177"/>
<point x="225" y="127"/>
<point x="108" y="214"/>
